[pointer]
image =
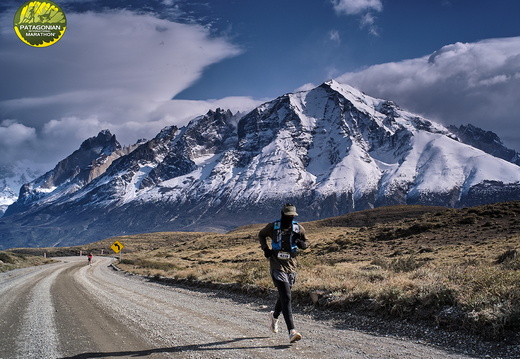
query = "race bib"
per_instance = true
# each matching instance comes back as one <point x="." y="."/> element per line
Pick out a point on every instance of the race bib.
<point x="284" y="255"/>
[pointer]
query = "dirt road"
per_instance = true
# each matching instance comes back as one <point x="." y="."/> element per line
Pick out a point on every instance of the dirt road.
<point x="72" y="310"/>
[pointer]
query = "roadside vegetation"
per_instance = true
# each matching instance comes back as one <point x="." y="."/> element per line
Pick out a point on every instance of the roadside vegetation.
<point x="12" y="260"/>
<point x="458" y="269"/>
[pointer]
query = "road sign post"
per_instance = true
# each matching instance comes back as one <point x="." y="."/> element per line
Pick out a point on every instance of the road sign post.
<point x="117" y="247"/>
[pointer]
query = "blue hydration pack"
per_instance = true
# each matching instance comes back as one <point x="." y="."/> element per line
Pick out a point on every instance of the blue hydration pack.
<point x="276" y="242"/>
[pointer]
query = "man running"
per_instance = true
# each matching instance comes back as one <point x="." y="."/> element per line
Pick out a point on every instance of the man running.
<point x="286" y="237"/>
<point x="89" y="257"/>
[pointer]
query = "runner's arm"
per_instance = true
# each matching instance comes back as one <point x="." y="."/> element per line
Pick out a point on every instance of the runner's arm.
<point x="265" y="233"/>
<point x="302" y="242"/>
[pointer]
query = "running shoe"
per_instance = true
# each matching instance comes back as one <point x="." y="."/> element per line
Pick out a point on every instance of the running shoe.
<point x="294" y="336"/>
<point x="273" y="322"/>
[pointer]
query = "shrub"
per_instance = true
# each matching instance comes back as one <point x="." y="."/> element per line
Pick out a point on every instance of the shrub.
<point x="468" y="220"/>
<point x="395" y="300"/>
<point x="404" y="264"/>
<point x="510" y="259"/>
<point x="7" y="258"/>
<point x="149" y="264"/>
<point x="387" y="234"/>
<point x="127" y="261"/>
<point x="252" y="272"/>
<point x="398" y="265"/>
<point x="491" y="297"/>
<point x="493" y="321"/>
<point x="437" y="295"/>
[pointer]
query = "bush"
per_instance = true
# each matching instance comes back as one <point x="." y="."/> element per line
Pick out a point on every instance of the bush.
<point x="395" y="300"/>
<point x="398" y="265"/>
<point x="510" y="259"/>
<point x="387" y="234"/>
<point x="7" y="258"/>
<point x="150" y="264"/>
<point x="492" y="322"/>
<point x="491" y="297"/>
<point x="468" y="220"/>
<point x="253" y="272"/>
<point x="404" y="264"/>
<point x="437" y="295"/>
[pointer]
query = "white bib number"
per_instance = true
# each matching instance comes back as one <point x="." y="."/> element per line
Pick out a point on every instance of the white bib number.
<point x="284" y="255"/>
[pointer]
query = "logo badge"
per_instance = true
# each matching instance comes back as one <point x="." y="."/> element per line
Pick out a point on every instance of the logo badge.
<point x="40" y="23"/>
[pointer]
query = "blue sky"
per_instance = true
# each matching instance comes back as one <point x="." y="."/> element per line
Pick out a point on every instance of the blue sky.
<point x="135" y="67"/>
<point x="294" y="42"/>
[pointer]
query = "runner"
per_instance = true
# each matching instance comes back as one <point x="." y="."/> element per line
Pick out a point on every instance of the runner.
<point x="286" y="237"/>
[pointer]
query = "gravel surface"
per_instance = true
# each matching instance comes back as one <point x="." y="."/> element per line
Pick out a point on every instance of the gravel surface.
<point x="72" y="310"/>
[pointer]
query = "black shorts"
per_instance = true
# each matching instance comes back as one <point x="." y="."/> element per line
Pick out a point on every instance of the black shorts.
<point x="278" y="275"/>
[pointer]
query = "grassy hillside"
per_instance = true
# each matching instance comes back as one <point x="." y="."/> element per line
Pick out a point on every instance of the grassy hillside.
<point x="457" y="268"/>
<point x="10" y="260"/>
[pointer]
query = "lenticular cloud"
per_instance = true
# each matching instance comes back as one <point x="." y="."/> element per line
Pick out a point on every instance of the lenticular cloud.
<point x="458" y="84"/>
<point x="116" y="70"/>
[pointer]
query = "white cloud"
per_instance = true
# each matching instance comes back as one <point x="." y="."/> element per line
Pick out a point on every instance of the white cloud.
<point x="15" y="141"/>
<point x="72" y="127"/>
<point x="363" y="8"/>
<point x="368" y="21"/>
<point x="117" y="70"/>
<point x="117" y="51"/>
<point x="13" y="133"/>
<point x="462" y="83"/>
<point x="334" y="36"/>
<point x="356" y="7"/>
<point x="305" y="87"/>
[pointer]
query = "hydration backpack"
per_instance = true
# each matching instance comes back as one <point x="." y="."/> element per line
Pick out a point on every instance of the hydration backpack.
<point x="276" y="242"/>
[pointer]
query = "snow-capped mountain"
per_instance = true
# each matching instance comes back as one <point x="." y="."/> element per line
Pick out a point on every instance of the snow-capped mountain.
<point x="92" y="159"/>
<point x="330" y="150"/>
<point x="12" y="177"/>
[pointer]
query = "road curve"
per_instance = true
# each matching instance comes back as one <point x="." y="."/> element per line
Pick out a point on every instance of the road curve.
<point x="72" y="310"/>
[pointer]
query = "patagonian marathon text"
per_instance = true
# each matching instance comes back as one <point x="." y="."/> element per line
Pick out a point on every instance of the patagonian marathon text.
<point x="40" y="27"/>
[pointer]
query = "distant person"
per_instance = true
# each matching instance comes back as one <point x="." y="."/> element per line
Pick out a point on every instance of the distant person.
<point x="89" y="256"/>
<point x="286" y="237"/>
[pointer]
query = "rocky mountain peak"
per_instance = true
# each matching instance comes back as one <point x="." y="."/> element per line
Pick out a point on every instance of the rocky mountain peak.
<point x="487" y="141"/>
<point x="104" y="142"/>
<point x="72" y="173"/>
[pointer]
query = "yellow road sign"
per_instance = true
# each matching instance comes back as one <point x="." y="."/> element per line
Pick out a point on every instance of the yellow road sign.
<point x="117" y="246"/>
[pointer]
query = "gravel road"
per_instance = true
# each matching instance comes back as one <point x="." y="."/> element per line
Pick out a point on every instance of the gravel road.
<point x="72" y="310"/>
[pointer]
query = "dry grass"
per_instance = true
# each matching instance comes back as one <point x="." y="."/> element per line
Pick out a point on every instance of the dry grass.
<point x="458" y="268"/>
<point x="11" y="260"/>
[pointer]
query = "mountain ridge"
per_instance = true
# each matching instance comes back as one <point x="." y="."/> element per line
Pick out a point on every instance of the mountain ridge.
<point x="487" y="141"/>
<point x="330" y="150"/>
